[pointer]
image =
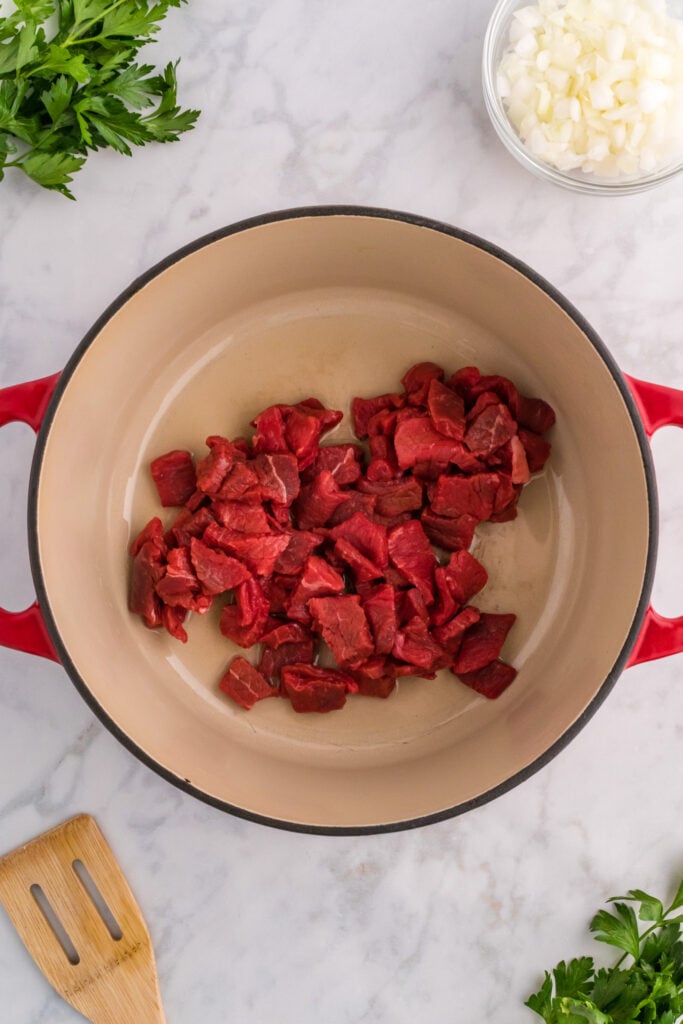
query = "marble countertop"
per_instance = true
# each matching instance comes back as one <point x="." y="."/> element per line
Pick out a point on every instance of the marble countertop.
<point x="378" y="103"/>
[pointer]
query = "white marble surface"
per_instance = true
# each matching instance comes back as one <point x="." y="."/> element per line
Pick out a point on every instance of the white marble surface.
<point x="375" y="102"/>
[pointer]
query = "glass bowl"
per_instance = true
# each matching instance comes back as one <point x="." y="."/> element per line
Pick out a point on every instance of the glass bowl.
<point x="495" y="44"/>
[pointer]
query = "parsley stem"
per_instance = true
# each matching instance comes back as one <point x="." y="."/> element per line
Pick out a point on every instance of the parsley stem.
<point x="78" y="38"/>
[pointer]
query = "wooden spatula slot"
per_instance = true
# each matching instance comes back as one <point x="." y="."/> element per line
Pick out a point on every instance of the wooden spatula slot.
<point x="60" y="932"/>
<point x="68" y="899"/>
<point x="98" y="900"/>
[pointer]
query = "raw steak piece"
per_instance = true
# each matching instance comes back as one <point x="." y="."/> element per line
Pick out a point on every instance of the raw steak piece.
<point x="465" y="575"/>
<point x="259" y="553"/>
<point x="537" y="450"/>
<point x="153" y="532"/>
<point x="465" y="495"/>
<point x="252" y="605"/>
<point x="520" y="466"/>
<point x="363" y="409"/>
<point x="370" y="538"/>
<point x="274" y="659"/>
<point x="188" y="525"/>
<point x="317" y="501"/>
<point x="315" y="689"/>
<point x="278" y="589"/>
<point x="464" y="382"/>
<point x="415" y="645"/>
<point x="491" y="680"/>
<point x="146" y="573"/>
<point x="216" y="571"/>
<point x="501" y="386"/>
<point x="302" y="431"/>
<point x="417" y="440"/>
<point x="270" y="431"/>
<point x="241" y="484"/>
<point x="329" y="418"/>
<point x="412" y="554"/>
<point x="232" y="628"/>
<point x="343" y="461"/>
<point x="353" y="502"/>
<point x="535" y="414"/>
<point x="373" y="678"/>
<point x="484" y="400"/>
<point x="286" y="633"/>
<point x="319" y="578"/>
<point x="178" y="579"/>
<point x="394" y="497"/>
<point x="411" y="605"/>
<point x="451" y="633"/>
<point x="449" y="532"/>
<point x="417" y="380"/>
<point x="445" y="605"/>
<point x="213" y="468"/>
<point x="447" y="410"/>
<point x="380" y="609"/>
<point x="483" y="642"/>
<point x="343" y="626"/>
<point x="241" y="516"/>
<point x="245" y="684"/>
<point x="278" y="477"/>
<point x="491" y="429"/>
<point x="172" y="619"/>
<point x="174" y="476"/>
<point x="362" y="568"/>
<point x="301" y="544"/>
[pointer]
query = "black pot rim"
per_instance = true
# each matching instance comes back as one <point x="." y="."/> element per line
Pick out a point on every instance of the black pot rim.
<point x="434" y="225"/>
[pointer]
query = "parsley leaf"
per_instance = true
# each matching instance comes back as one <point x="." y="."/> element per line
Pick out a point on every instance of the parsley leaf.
<point x="649" y="991"/>
<point x="67" y="91"/>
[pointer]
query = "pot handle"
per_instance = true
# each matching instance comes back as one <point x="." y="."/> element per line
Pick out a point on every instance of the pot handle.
<point x="658" y="406"/>
<point x="26" y="631"/>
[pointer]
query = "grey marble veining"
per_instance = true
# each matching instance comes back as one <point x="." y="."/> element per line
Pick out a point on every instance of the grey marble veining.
<point x="308" y="101"/>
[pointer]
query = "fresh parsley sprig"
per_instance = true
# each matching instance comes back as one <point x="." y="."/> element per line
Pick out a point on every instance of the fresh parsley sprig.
<point x="69" y="83"/>
<point x="645" y="986"/>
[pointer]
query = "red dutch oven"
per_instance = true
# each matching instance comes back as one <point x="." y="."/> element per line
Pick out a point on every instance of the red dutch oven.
<point x="338" y="302"/>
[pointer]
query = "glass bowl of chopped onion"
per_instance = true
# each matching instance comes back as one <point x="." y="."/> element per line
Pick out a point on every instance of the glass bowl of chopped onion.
<point x="588" y="93"/>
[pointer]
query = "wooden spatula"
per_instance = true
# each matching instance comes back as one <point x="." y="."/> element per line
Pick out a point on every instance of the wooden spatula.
<point x="70" y="903"/>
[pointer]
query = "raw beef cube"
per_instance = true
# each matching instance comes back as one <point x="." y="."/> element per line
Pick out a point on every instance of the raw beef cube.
<point x="483" y="642"/>
<point x="179" y="579"/>
<point x="233" y="629"/>
<point x="302" y="432"/>
<point x="506" y="494"/>
<point x="259" y="552"/>
<point x="380" y="609"/>
<point x="449" y="532"/>
<point x="216" y="571"/>
<point x="329" y="418"/>
<point x="373" y="678"/>
<point x="415" y="645"/>
<point x="520" y="466"/>
<point x="447" y="410"/>
<point x="146" y="572"/>
<point x="245" y="684"/>
<point x="451" y="633"/>
<point x="445" y="605"/>
<point x="465" y="575"/>
<point x="270" y="431"/>
<point x="315" y="689"/>
<point x="286" y="633"/>
<point x="363" y="409"/>
<point x="501" y="386"/>
<point x="343" y="461"/>
<point x="417" y="380"/>
<point x="465" y="495"/>
<point x="278" y="477"/>
<point x="152" y="532"/>
<point x="417" y="440"/>
<point x="411" y="605"/>
<point x="174" y="476"/>
<point x="380" y="469"/>
<point x="491" y="680"/>
<point x="370" y="538"/>
<point x="412" y="554"/>
<point x="353" y="502"/>
<point x="484" y="400"/>
<point x="491" y="429"/>
<point x="240" y="484"/>
<point x="535" y="414"/>
<point x="278" y="589"/>
<point x="213" y="468"/>
<point x="172" y="619"/>
<point x="252" y="605"/>
<point x="363" y="569"/>
<point x="343" y="626"/>
<point x="394" y="496"/>
<point x="274" y="659"/>
<point x="537" y="450"/>
<point x="241" y="516"/>
<point x="318" y="579"/>
<point x="464" y="382"/>
<point x="317" y="501"/>
<point x="188" y="525"/>
<point x="301" y="544"/>
<point x="196" y="499"/>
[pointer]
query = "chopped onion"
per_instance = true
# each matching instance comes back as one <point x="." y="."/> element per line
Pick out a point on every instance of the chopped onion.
<point x="596" y="85"/>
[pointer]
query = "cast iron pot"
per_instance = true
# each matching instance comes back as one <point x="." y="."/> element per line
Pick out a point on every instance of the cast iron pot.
<point x="338" y="302"/>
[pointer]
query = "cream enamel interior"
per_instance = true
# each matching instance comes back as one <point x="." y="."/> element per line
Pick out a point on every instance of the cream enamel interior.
<point x="336" y="306"/>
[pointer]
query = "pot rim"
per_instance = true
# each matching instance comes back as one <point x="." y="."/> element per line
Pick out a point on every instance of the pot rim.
<point x="418" y="221"/>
